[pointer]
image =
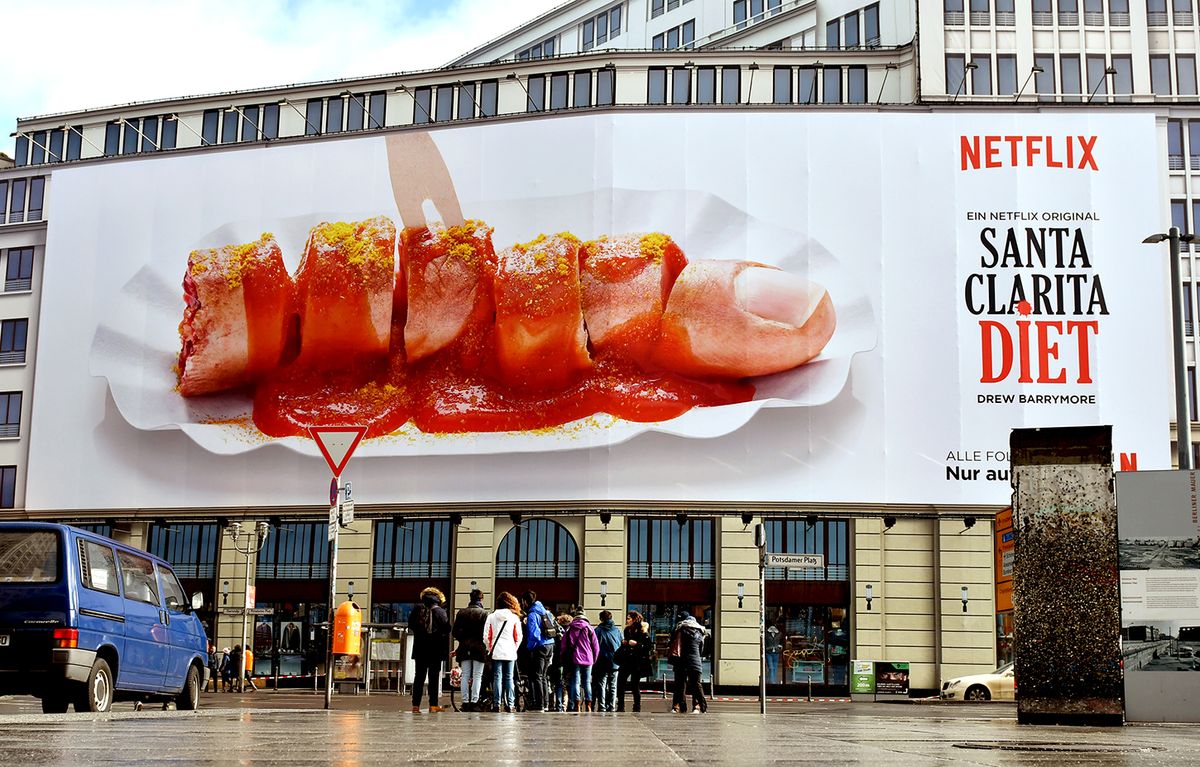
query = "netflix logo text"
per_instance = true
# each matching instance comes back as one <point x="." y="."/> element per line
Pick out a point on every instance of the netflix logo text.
<point x="1073" y="152"/>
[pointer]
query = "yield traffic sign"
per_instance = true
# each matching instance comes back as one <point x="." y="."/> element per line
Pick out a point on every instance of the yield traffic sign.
<point x="337" y="444"/>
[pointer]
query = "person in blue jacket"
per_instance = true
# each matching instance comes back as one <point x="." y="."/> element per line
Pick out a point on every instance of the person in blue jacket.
<point x="539" y="641"/>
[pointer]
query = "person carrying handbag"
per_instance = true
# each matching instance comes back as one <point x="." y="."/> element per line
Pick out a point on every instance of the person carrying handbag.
<point x="502" y="636"/>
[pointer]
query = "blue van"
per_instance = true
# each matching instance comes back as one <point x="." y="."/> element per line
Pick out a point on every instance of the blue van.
<point x="85" y="620"/>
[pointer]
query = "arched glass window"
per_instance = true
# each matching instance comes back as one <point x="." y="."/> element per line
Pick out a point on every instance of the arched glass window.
<point x="538" y="548"/>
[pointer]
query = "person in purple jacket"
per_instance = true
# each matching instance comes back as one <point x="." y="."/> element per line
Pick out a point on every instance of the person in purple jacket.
<point x="580" y="649"/>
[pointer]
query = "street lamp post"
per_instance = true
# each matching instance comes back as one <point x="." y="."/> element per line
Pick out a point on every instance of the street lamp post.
<point x="1183" y="419"/>
<point x="254" y="543"/>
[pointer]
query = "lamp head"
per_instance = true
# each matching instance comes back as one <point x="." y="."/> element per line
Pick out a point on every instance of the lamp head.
<point x="968" y="522"/>
<point x="511" y="76"/>
<point x="605" y="518"/>
<point x="1110" y="70"/>
<point x="1154" y="239"/>
<point x="753" y="66"/>
<point x="972" y="65"/>
<point x="456" y="519"/>
<point x="889" y="522"/>
<point x="1036" y="69"/>
<point x="747" y="518"/>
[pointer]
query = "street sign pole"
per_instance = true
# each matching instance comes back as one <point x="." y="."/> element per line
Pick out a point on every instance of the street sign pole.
<point x="760" y="541"/>
<point x="333" y="551"/>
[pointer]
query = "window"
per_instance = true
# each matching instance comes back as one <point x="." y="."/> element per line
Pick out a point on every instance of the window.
<point x="981" y="77"/>
<point x="422" y="105"/>
<point x="537" y="93"/>
<point x="191" y="548"/>
<point x="1043" y="81"/>
<point x="37" y="192"/>
<point x="13" y="335"/>
<point x="871" y="25"/>
<point x="583" y="89"/>
<point x="1068" y="12"/>
<point x="1192" y="400"/>
<point x="1175" y="145"/>
<point x="1183" y="12"/>
<point x="1156" y="13"/>
<point x="208" y="131"/>
<point x="829" y="538"/>
<point x="542" y="50"/>
<point x="956" y="72"/>
<point x="1194" y="144"/>
<point x="1185" y="74"/>
<point x="831" y="85"/>
<point x="981" y="12"/>
<point x="1006" y="74"/>
<point x="10" y="414"/>
<point x="559" y="85"/>
<point x="1006" y="13"/>
<point x="1160" y="75"/>
<point x="38" y="142"/>
<point x="356" y="111"/>
<point x="606" y="81"/>
<point x="75" y="144"/>
<point x="850" y="26"/>
<point x="807" y="91"/>
<point x="1188" y="327"/>
<point x="173" y="595"/>
<point x="657" y="8"/>
<point x="19" y="276"/>
<point x="1179" y="215"/>
<point x="334" y="111"/>
<point x="1118" y="13"/>
<point x="55" y="153"/>
<point x="248" y="118"/>
<point x="22" y="157"/>
<point x="833" y="34"/>
<point x="1093" y="13"/>
<point x="614" y="22"/>
<point x="137" y="575"/>
<point x="731" y="85"/>
<point x="489" y="94"/>
<point x="3" y="201"/>
<point x="412" y="549"/>
<point x="952" y="12"/>
<point x="378" y="110"/>
<point x="170" y="130"/>
<point x="600" y="28"/>
<point x="1122" y="81"/>
<point x="589" y="34"/>
<point x="1072" y="83"/>
<point x="681" y="85"/>
<point x="295" y="550"/>
<point x="445" y="103"/>
<point x="856" y="85"/>
<point x="665" y="549"/>
<point x="98" y="567"/>
<point x="16" y="203"/>
<point x="270" y="127"/>
<point x="537" y="548"/>
<point x="112" y="138"/>
<point x="312" y="117"/>
<point x="229" y="126"/>
<point x="706" y="85"/>
<point x="8" y="487"/>
<point x="466" y="101"/>
<point x="656" y="85"/>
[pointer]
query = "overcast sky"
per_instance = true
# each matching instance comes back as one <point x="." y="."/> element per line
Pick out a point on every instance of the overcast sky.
<point x="76" y="54"/>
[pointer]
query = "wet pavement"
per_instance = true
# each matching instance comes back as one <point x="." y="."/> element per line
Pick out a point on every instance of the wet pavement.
<point x="291" y="728"/>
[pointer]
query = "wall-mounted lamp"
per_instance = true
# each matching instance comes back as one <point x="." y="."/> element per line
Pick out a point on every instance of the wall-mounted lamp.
<point x="516" y="518"/>
<point x="741" y="592"/>
<point x="474" y="585"/>
<point x="964" y="598"/>
<point x="811" y="520"/>
<point x="747" y="518"/>
<point x="1036" y="70"/>
<point x="456" y="519"/>
<point x="350" y="591"/>
<point x="971" y="67"/>
<point x="262" y="530"/>
<point x="603" y="593"/>
<point x="234" y="530"/>
<point x="889" y="522"/>
<point x="605" y="518"/>
<point x="869" y="593"/>
<point x="681" y="517"/>
<point x="1108" y="72"/>
<point x="968" y="522"/>
<point x="224" y="593"/>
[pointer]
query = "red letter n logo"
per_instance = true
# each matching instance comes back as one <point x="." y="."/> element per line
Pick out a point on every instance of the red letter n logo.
<point x="1128" y="461"/>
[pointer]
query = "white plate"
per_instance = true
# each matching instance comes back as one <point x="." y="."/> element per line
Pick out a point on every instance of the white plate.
<point x="136" y="346"/>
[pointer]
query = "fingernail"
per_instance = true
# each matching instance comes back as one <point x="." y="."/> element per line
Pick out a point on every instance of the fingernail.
<point x="776" y="295"/>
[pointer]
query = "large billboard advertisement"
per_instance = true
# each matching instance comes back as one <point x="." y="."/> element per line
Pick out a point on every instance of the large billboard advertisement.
<point x="652" y="306"/>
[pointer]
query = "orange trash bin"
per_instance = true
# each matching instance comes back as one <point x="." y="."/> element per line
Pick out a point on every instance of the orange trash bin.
<point x="347" y="629"/>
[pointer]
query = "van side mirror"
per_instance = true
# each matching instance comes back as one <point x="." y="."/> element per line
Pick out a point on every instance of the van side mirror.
<point x="197" y="600"/>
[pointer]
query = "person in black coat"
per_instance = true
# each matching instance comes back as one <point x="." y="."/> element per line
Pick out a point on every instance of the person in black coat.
<point x="691" y="636"/>
<point x="471" y="654"/>
<point x="634" y="658"/>
<point x="430" y="628"/>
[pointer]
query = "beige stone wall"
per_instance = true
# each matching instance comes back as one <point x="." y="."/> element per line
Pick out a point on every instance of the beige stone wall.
<point x="473" y="558"/>
<point x="736" y="654"/>
<point x="602" y="551"/>
<point x="355" y="549"/>
<point x="231" y="567"/>
<point x="901" y="566"/>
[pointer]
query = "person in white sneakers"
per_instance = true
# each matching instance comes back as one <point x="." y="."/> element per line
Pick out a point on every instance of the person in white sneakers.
<point x="502" y="636"/>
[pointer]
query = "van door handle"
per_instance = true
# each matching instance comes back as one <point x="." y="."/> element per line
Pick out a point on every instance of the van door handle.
<point x="166" y="619"/>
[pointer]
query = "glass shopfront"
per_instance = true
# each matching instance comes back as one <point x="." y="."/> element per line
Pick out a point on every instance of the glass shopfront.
<point x="292" y="577"/>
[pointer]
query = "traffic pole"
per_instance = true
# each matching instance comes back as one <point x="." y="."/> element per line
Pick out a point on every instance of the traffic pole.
<point x="333" y="550"/>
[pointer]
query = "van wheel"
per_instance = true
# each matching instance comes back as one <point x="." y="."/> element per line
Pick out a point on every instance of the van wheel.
<point x="189" y="698"/>
<point x="97" y="695"/>
<point x="54" y="703"/>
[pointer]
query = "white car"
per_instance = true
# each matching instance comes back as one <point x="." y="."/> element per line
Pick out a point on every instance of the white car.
<point x="997" y="685"/>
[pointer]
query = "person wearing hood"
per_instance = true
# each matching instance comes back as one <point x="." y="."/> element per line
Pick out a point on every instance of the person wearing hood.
<point x="538" y="623"/>
<point x="430" y="628"/>
<point x="604" y="673"/>
<point x="502" y="637"/>
<point x="689" y="637"/>
<point x="471" y="654"/>
<point x="581" y="648"/>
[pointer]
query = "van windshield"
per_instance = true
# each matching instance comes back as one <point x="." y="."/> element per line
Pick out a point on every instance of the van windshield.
<point x="28" y="556"/>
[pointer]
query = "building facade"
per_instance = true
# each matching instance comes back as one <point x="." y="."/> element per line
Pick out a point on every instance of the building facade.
<point x="659" y="558"/>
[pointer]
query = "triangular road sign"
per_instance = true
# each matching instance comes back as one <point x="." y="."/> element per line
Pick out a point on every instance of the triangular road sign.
<point x="337" y="444"/>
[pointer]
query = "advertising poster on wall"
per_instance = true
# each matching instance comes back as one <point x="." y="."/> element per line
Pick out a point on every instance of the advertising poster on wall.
<point x="753" y="307"/>
<point x="891" y="677"/>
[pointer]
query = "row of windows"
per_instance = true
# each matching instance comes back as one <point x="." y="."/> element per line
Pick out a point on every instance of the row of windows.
<point x="981" y="12"/>
<point x="799" y="85"/>
<point x="659" y="7"/>
<point x="18" y="275"/>
<point x="1181" y="13"/>
<point x="347" y="112"/>
<point x="542" y="50"/>
<point x="1071" y="86"/>
<point x="248" y="122"/>
<point x="599" y="29"/>
<point x="21" y="199"/>
<point x="846" y="33"/>
<point x="1175" y="150"/>
<point x="461" y="101"/>
<point x="681" y="36"/>
<point x="1185" y="75"/>
<point x="750" y="11"/>
<point x="414" y="549"/>
<point x="56" y="145"/>
<point x="99" y="572"/>
<point x="141" y="134"/>
<point x="191" y="548"/>
<point x="981" y="74"/>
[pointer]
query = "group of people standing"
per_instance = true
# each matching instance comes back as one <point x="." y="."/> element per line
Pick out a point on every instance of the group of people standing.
<point x="570" y="664"/>
<point x="223" y="669"/>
